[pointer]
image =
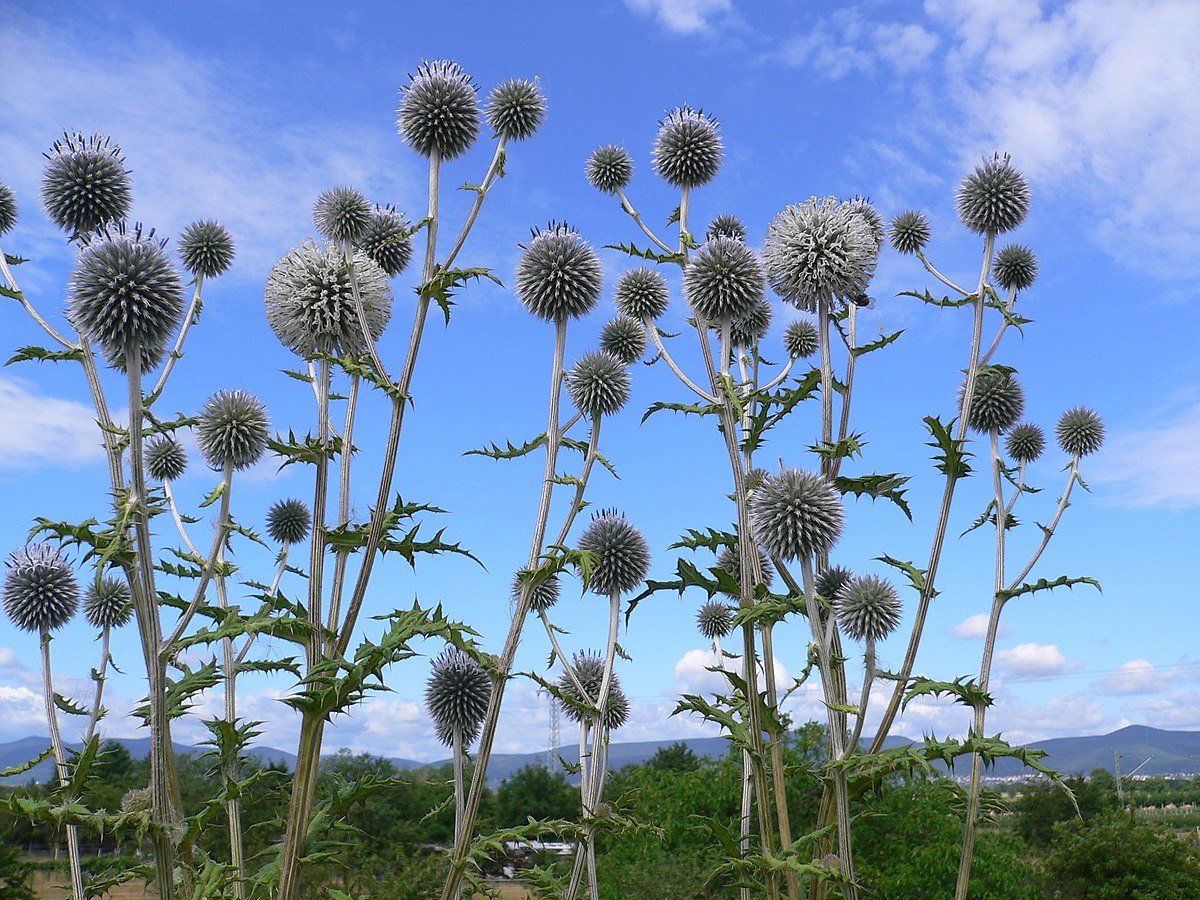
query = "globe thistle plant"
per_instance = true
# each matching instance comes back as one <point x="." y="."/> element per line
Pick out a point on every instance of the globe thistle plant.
<point x="715" y="619"/>
<point x="1079" y="431"/>
<point x="543" y="596"/>
<point x="819" y="249"/>
<point x="8" y="209"/>
<point x="724" y="280"/>
<point x="609" y="169"/>
<point x="994" y="198"/>
<point x="796" y="514"/>
<point x="342" y="214"/>
<point x="870" y="215"/>
<point x="688" y="149"/>
<point x="800" y="339"/>
<point x="559" y="275"/>
<point x="1015" y="268"/>
<point x="288" y="521"/>
<point x="40" y="591"/>
<point x="85" y="185"/>
<point x="457" y="695"/>
<point x="752" y="327"/>
<point x="589" y="670"/>
<point x="439" y="110"/>
<point x="625" y="338"/>
<point x="310" y="301"/>
<point x="206" y="248"/>
<point x="622" y="554"/>
<point x="725" y="226"/>
<point x="831" y="582"/>
<point x="516" y="108"/>
<point x="641" y="293"/>
<point x="109" y="603"/>
<point x="729" y="560"/>
<point x="868" y="608"/>
<point x="1025" y="443"/>
<point x="166" y="460"/>
<point x="232" y="430"/>
<point x="598" y="384"/>
<point x="998" y="401"/>
<point x="386" y="240"/>
<point x="910" y="232"/>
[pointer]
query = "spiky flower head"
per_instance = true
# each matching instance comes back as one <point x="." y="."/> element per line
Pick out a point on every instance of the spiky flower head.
<point x="136" y="800"/>
<point x="8" y="209"/>
<point x="1025" y="442"/>
<point x="752" y="327"/>
<point x="457" y="695"/>
<point x="622" y="554"/>
<point x="589" y="669"/>
<point x="288" y="521"/>
<point x="796" y="514"/>
<point x="801" y="340"/>
<point x="109" y="603"/>
<point x="341" y="214"/>
<point x="865" y="208"/>
<point x="910" y="231"/>
<point x="994" y="198"/>
<point x="598" y="383"/>
<point x="641" y="294"/>
<point x="232" y="429"/>
<point x="386" y="240"/>
<point x="40" y="591"/>
<point x="688" y="149"/>
<point x="625" y="338"/>
<point x="868" y="608"/>
<point x="819" y="249"/>
<point x="166" y="460"/>
<point x="998" y="401"/>
<point x="559" y="275"/>
<point x="310" y="301"/>
<point x="206" y="248"/>
<point x="516" y="108"/>
<point x="126" y="294"/>
<point x="725" y="225"/>
<point x="729" y="560"/>
<point x="1015" y="268"/>
<point x="609" y="169"/>
<point x="543" y="595"/>
<point x="715" y="619"/>
<point x="831" y="582"/>
<point x="439" y="110"/>
<point x="724" y="280"/>
<point x="85" y="185"/>
<point x="1079" y="431"/>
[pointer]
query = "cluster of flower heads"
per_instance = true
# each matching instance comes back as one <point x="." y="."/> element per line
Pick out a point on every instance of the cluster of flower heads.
<point x="457" y="696"/>
<point x="589" y="670"/>
<point x="687" y="153"/>
<point x="622" y="555"/>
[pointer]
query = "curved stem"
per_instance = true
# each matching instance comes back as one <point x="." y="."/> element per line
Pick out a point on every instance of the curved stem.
<point x="280" y="569"/>
<point x="851" y="361"/>
<point x="868" y="678"/>
<point x="60" y="765"/>
<point x="637" y="217"/>
<point x="929" y="267"/>
<point x="781" y="377"/>
<point x="347" y="456"/>
<point x="826" y="385"/>
<point x="1063" y="502"/>
<point x="589" y="463"/>
<point x="1004" y="326"/>
<point x="101" y="676"/>
<point x="29" y="307"/>
<point x="189" y="319"/>
<point x="652" y="330"/>
<point x="494" y="171"/>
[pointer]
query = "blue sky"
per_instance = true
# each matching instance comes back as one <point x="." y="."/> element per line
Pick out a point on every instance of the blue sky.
<point x="245" y="113"/>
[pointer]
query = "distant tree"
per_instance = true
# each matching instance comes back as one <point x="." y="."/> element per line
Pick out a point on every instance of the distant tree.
<point x="16" y="877"/>
<point x="1043" y="805"/>
<point x="677" y="757"/>
<point x="535" y="791"/>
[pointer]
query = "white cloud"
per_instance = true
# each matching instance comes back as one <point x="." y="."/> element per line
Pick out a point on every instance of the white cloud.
<point x="1138" y="676"/>
<point x="975" y="628"/>
<point x="1034" y="660"/>
<point x="1175" y="710"/>
<point x="41" y="430"/>
<point x="23" y="712"/>
<point x="683" y="16"/>
<point x="847" y="42"/>
<point x="1155" y="465"/>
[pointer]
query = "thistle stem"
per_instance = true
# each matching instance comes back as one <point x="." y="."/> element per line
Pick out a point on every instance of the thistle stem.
<point x="101" y="677"/>
<point x="629" y="210"/>
<point x="189" y="319"/>
<point x="29" y="307"/>
<point x="347" y="456"/>
<point x="60" y="765"/>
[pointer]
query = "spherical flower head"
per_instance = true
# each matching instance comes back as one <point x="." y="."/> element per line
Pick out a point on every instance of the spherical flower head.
<point x="622" y="554"/>
<point x="288" y="521"/>
<point x="801" y="340"/>
<point x="868" y="608"/>
<point x="1015" y="268"/>
<point x="457" y="696"/>
<point x="544" y="594"/>
<point x="641" y="294"/>
<point x="439" y="110"/>
<point x="125" y="294"/>
<point x="1025" y="443"/>
<point x="870" y="215"/>
<point x="40" y="591"/>
<point x="688" y="149"/>
<point x="819" y="249"/>
<point x="998" y="402"/>
<point x="232" y="430"/>
<point x="729" y="560"/>
<point x="8" y="209"/>
<point x="796" y="514"/>
<point x="516" y="108"/>
<point x="752" y="327"/>
<point x="1079" y="431"/>
<point x="599" y="384"/>
<point x="206" y="248"/>
<point x="609" y="169"/>
<point x="559" y="276"/>
<point x="589" y="669"/>
<point x="386" y="240"/>
<point x="725" y="226"/>
<point x="831" y="582"/>
<point x="910" y="232"/>
<point x="715" y="619"/>
<point x="724" y="279"/>
<point x="341" y="214"/>
<point x="310" y="301"/>
<point x="166" y="460"/>
<point x="85" y="185"/>
<point x="994" y="198"/>
<point x="625" y="338"/>
<point x="109" y="603"/>
<point x="136" y="800"/>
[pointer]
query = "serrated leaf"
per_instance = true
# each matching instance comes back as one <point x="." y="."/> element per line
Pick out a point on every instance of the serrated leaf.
<point x="1043" y="585"/>
<point x="888" y="486"/>
<point x="42" y="354"/>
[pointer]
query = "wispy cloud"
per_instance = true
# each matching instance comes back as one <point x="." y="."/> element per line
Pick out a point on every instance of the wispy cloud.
<point x="1034" y="660"/>
<point x="975" y="628"/>
<point x="41" y="430"/>
<point x="684" y="16"/>
<point x="1155" y="465"/>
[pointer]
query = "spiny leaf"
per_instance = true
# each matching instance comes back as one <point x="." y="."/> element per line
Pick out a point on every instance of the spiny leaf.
<point x="653" y="256"/>
<point x="41" y="354"/>
<point x="1043" y="585"/>
<point x="888" y="486"/>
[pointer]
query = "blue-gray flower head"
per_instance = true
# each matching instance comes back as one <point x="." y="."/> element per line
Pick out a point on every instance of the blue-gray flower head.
<point x="724" y="279"/>
<point x="457" y="696"/>
<point x="998" y="403"/>
<point x="622" y="554"/>
<point x="1079" y="431"/>
<point x="559" y="275"/>
<point x="625" y="338"/>
<point x="747" y="331"/>
<point x="796" y="514"/>
<point x="516" y="108"/>
<point x="688" y="149"/>
<point x="831" y="582"/>
<point x="126" y="294"/>
<point x="729" y="560"/>
<point x="1015" y="268"/>
<point x="206" y="248"/>
<point x="589" y="669"/>
<point x="641" y="294"/>
<point x="8" y="209"/>
<point x="288" y="521"/>
<point x="166" y="460"/>
<point x="910" y="232"/>
<point x="341" y="214"/>
<point x="1025" y="443"/>
<point x="725" y="226"/>
<point x="868" y="608"/>
<point x="439" y="110"/>
<point x="85" y="185"/>
<point x="994" y="198"/>
<point x="715" y="619"/>
<point x="310" y="301"/>
<point x="109" y="603"/>
<point x="863" y="207"/>
<point x="386" y="240"/>
<point x="543" y="595"/>
<point x="801" y="340"/>
<point x="599" y="384"/>
<point x="609" y="169"/>
<point x="232" y="429"/>
<point x="40" y="591"/>
<point x="819" y="249"/>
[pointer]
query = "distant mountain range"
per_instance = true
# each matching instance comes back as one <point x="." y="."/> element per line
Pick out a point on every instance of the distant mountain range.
<point x="1168" y="752"/>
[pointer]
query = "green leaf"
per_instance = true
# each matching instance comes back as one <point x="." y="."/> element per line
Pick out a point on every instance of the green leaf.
<point x="1043" y="585"/>
<point x="510" y="450"/>
<point x="877" y="344"/>
<point x="875" y="486"/>
<point x="442" y="286"/>
<point x="41" y="354"/>
<point x="24" y="767"/>
<point x="916" y="576"/>
<point x="69" y="706"/>
<point x="952" y="458"/>
<point x="653" y="256"/>
<point x="963" y="689"/>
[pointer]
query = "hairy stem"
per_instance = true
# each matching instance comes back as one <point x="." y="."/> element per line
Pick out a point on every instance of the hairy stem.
<point x="189" y="319"/>
<point x="343" y="556"/>
<point x="60" y="765"/>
